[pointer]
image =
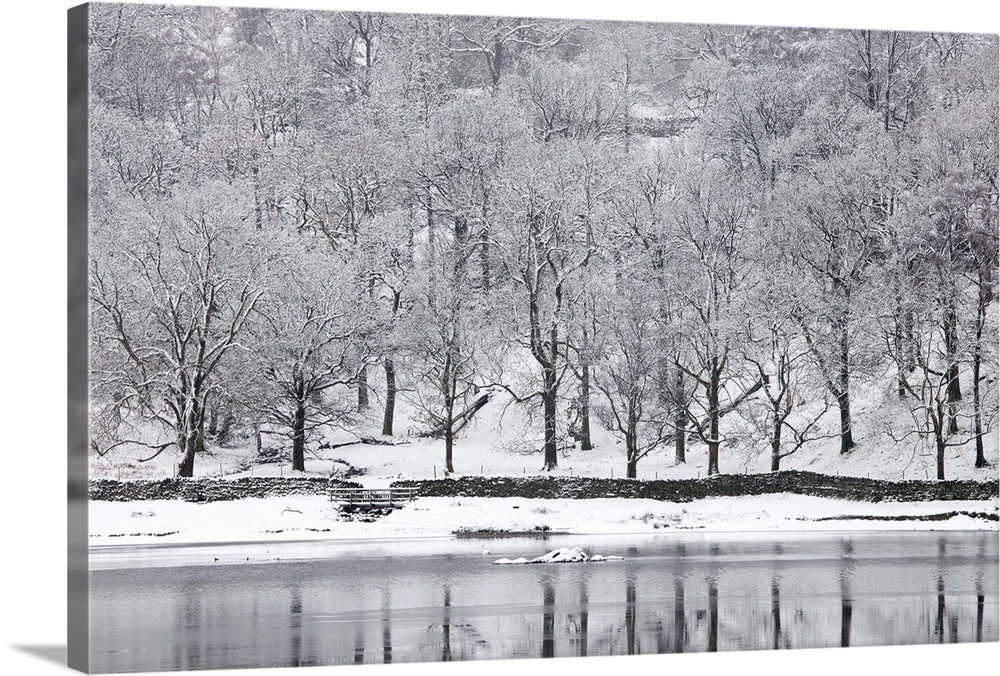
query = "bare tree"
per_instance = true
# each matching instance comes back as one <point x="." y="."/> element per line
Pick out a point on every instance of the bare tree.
<point x="781" y="369"/>
<point x="884" y="71"/>
<point x="831" y="210"/>
<point x="712" y="215"/>
<point x="172" y="300"/>
<point x="928" y="390"/>
<point x="307" y="336"/>
<point x="443" y="343"/>
<point x="497" y="39"/>
<point x="629" y="370"/>
<point x="550" y="243"/>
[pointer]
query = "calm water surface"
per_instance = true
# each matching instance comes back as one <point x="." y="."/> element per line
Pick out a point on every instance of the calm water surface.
<point x="297" y="604"/>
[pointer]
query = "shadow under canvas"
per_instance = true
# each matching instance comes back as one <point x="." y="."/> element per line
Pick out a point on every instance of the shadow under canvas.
<point x="50" y="653"/>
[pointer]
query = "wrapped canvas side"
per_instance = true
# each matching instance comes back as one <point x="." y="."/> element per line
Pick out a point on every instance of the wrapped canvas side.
<point x="77" y="616"/>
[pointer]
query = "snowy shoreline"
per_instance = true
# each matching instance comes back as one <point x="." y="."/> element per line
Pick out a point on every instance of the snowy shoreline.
<point x="312" y="517"/>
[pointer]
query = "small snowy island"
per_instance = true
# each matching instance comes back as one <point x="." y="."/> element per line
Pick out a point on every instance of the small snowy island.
<point x="561" y="555"/>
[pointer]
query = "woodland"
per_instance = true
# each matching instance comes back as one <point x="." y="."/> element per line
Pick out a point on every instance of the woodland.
<point x="691" y="237"/>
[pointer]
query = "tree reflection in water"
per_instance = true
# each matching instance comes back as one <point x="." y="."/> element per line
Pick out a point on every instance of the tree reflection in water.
<point x="548" y="619"/>
<point x="446" y="626"/>
<point x="666" y="596"/>
<point x="846" y="603"/>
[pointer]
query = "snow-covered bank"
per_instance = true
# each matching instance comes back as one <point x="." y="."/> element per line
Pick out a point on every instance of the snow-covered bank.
<point x="305" y="517"/>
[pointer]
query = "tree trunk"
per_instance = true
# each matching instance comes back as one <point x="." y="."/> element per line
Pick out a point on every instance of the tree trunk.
<point x="189" y="447"/>
<point x="449" y="443"/>
<point x="899" y="348"/>
<point x="299" y="429"/>
<point x="713" y="458"/>
<point x="938" y="421"/>
<point x="431" y="246"/>
<point x="549" y="414"/>
<point x="680" y="419"/>
<point x="496" y="59"/>
<point x="977" y="407"/>
<point x="461" y="229"/>
<point x="258" y="209"/>
<point x="299" y="437"/>
<point x="631" y="448"/>
<point x="585" y="442"/>
<point x="484" y="260"/>
<point x="843" y="392"/>
<point x="363" y="388"/>
<point x="985" y="298"/>
<point x="200" y="415"/>
<point x="940" y="459"/>
<point x="951" y="349"/>
<point x="909" y="343"/>
<point x="846" y="435"/>
<point x="186" y="467"/>
<point x="713" y="421"/>
<point x="776" y="442"/>
<point x="188" y="439"/>
<point x="390" y="397"/>
<point x="449" y="414"/>
<point x="199" y="438"/>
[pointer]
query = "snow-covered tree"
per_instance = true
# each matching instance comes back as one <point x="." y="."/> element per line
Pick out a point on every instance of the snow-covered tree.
<point x="444" y="345"/>
<point x="713" y="213"/>
<point x="172" y="293"/>
<point x="829" y="211"/>
<point x="629" y="370"/>
<point x="306" y="341"/>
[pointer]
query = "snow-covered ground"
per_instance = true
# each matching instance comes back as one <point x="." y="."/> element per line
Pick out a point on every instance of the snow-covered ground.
<point x="289" y="518"/>
<point x="502" y="442"/>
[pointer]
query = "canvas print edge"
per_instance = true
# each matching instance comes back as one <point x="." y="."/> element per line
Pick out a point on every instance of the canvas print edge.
<point x="74" y="509"/>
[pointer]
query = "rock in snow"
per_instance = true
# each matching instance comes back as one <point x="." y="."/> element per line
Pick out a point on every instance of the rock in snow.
<point x="561" y="555"/>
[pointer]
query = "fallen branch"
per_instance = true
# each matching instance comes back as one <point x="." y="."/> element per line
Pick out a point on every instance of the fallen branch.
<point x="461" y="420"/>
<point x="700" y="425"/>
<point x="743" y="397"/>
<point x="371" y="441"/>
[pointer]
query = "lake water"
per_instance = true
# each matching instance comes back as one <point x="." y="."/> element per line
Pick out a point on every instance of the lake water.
<point x="297" y="604"/>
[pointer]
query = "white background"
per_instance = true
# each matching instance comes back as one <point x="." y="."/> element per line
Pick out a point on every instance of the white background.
<point x="33" y="328"/>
